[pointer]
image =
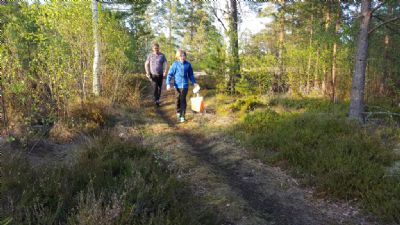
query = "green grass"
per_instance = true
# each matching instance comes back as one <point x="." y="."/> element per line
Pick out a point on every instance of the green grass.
<point x="341" y="158"/>
<point x="244" y="105"/>
<point x="112" y="182"/>
<point x="315" y="105"/>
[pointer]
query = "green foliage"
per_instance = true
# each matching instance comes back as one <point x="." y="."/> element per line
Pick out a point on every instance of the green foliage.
<point x="340" y="158"/>
<point x="205" y="47"/>
<point x="169" y="15"/>
<point x="256" y="74"/>
<point x="244" y="105"/>
<point x="314" y="105"/>
<point x="111" y="182"/>
<point x="47" y="54"/>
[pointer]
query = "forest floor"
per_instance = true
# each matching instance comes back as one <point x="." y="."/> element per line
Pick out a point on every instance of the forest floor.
<point x="243" y="190"/>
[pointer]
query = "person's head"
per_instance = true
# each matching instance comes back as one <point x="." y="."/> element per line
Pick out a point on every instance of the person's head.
<point x="181" y="55"/>
<point x="156" y="48"/>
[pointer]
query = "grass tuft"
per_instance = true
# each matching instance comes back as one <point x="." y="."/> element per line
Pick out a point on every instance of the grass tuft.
<point x="112" y="182"/>
<point x="341" y="158"/>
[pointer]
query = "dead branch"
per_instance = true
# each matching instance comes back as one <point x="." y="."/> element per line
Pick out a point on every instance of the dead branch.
<point x="383" y="23"/>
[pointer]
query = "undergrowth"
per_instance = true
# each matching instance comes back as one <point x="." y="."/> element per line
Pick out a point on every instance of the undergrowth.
<point x="340" y="158"/>
<point x="112" y="182"/>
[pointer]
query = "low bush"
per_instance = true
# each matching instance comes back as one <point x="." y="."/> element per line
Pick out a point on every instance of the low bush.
<point x="246" y="104"/>
<point x="341" y="158"/>
<point x="90" y="115"/>
<point x="315" y="105"/>
<point x="112" y="182"/>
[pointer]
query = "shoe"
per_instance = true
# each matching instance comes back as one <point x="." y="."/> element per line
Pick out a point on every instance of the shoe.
<point x="178" y="115"/>
<point x="157" y="103"/>
<point x="182" y="119"/>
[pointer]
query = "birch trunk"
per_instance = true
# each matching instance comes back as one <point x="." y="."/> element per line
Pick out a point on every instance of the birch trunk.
<point x="96" y="59"/>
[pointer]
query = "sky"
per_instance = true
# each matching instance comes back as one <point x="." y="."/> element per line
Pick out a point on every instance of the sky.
<point x="249" y="24"/>
<point x="250" y="21"/>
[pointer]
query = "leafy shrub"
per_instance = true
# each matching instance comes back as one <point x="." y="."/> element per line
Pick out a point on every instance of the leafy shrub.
<point x="245" y="104"/>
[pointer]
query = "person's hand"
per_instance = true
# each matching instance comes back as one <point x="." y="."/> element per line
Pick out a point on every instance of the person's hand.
<point x="148" y="76"/>
<point x="168" y="87"/>
<point x="196" y="88"/>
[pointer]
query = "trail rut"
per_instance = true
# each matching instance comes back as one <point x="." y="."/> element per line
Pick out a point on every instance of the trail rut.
<point x="244" y="190"/>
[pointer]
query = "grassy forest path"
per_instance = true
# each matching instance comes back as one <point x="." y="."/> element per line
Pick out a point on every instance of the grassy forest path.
<point x="243" y="190"/>
<point x="227" y="178"/>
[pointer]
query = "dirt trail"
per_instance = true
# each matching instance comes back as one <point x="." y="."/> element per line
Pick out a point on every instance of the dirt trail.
<point x="245" y="191"/>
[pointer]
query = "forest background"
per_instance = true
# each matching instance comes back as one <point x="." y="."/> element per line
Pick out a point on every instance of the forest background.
<point x="63" y="62"/>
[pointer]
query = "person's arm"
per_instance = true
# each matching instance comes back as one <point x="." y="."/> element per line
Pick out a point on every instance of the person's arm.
<point x="147" y="67"/>
<point x="165" y="66"/>
<point x="191" y="75"/>
<point x="170" y="75"/>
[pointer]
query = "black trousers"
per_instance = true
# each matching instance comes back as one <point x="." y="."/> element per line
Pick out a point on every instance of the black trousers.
<point x="181" y="101"/>
<point x="157" y="84"/>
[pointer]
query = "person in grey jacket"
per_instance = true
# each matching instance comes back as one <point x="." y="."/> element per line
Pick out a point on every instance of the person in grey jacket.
<point x="181" y="71"/>
<point x="156" y="67"/>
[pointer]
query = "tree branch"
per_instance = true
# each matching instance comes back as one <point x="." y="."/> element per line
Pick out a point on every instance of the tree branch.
<point x="383" y="23"/>
<point x="377" y="7"/>
<point x="387" y="26"/>
<point x="216" y="16"/>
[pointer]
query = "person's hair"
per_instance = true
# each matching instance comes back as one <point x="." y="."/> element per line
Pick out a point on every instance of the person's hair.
<point x="156" y="45"/>
<point x="179" y="52"/>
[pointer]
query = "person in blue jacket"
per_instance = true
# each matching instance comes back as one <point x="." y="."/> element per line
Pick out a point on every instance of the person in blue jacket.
<point x="182" y="71"/>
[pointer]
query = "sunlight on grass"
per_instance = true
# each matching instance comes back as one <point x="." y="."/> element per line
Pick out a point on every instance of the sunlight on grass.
<point x="341" y="158"/>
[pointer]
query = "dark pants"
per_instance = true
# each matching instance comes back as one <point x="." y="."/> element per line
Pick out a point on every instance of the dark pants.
<point x="181" y="100"/>
<point x="157" y="84"/>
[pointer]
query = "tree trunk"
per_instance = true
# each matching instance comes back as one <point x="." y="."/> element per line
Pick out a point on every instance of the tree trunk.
<point x="334" y="54"/>
<point x="386" y="58"/>
<point x="358" y="84"/>
<point x="309" y="55"/>
<point x="234" y="45"/>
<point x="170" y="29"/>
<point x="96" y="59"/>
<point x="191" y="21"/>
<point x="3" y="107"/>
<point x="316" y="75"/>
<point x="281" y="38"/>
<point x="325" y="79"/>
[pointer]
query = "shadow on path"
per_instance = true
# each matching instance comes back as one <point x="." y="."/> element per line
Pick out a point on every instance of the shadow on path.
<point x="272" y="208"/>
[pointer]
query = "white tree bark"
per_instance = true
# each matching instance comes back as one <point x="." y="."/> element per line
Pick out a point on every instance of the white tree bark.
<point x="358" y="84"/>
<point x="96" y="59"/>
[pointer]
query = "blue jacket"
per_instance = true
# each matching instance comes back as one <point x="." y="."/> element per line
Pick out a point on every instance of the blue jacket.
<point x="181" y="72"/>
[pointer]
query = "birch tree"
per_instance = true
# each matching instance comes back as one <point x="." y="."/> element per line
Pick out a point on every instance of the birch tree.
<point x="96" y="58"/>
